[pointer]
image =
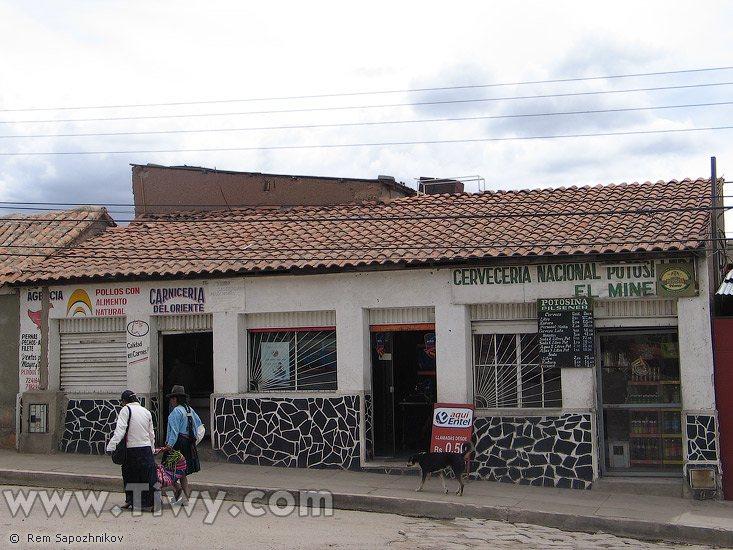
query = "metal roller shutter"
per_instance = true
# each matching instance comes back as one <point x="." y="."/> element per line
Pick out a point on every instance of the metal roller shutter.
<point x="93" y="356"/>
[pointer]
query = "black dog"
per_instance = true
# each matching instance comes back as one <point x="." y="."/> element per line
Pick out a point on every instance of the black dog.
<point x="437" y="462"/>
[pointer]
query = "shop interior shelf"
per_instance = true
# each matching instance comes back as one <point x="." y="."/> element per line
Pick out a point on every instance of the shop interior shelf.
<point x="656" y="435"/>
<point x="653" y="382"/>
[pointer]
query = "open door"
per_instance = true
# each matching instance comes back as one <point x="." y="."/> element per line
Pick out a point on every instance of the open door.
<point x="403" y="388"/>
<point x="187" y="359"/>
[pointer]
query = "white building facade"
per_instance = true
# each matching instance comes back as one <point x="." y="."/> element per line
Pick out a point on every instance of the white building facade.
<point x="343" y="369"/>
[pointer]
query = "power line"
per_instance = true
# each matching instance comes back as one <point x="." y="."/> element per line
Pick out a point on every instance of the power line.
<point x="378" y="92"/>
<point x="192" y="209"/>
<point x="393" y="105"/>
<point x="253" y="250"/>
<point x="310" y="217"/>
<point x="310" y="255"/>
<point x="375" y="144"/>
<point x="376" y="123"/>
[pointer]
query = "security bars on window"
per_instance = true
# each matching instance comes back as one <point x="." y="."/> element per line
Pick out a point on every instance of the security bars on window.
<point x="292" y="360"/>
<point x="507" y="373"/>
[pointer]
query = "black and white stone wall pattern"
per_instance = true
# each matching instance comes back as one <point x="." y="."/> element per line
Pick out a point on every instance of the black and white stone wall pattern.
<point x="368" y="426"/>
<point x="89" y="424"/>
<point x="701" y="434"/>
<point x="543" y="451"/>
<point x="308" y="432"/>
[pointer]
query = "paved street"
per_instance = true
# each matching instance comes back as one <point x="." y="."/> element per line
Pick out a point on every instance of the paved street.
<point x="106" y="527"/>
<point x="422" y="534"/>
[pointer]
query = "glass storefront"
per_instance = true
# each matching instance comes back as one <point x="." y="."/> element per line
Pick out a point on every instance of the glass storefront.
<point x="641" y="402"/>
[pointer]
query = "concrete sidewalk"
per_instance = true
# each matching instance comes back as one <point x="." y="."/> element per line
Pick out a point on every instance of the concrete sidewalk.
<point x="638" y="516"/>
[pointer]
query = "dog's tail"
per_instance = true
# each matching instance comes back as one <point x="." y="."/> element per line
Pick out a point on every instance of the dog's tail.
<point x="467" y="448"/>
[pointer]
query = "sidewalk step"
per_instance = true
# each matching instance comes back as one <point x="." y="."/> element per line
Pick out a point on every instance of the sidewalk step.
<point x="660" y="487"/>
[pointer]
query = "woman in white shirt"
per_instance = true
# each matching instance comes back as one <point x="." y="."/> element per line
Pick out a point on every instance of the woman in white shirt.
<point x="139" y="469"/>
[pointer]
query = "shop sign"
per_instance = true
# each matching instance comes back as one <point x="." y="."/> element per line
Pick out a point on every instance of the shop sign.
<point x="178" y="300"/>
<point x="111" y="301"/>
<point x="648" y="278"/>
<point x="676" y="280"/>
<point x="30" y="340"/>
<point x="138" y="342"/>
<point x="566" y="330"/>
<point x="452" y="427"/>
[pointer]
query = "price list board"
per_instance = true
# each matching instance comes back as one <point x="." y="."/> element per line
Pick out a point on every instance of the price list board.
<point x="566" y="331"/>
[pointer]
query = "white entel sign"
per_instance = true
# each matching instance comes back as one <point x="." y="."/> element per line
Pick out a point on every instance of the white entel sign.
<point x="452" y="417"/>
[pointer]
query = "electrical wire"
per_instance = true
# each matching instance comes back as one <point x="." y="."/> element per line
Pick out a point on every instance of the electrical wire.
<point x="355" y="145"/>
<point x="311" y="218"/>
<point x="363" y="124"/>
<point x="515" y="201"/>
<point x="364" y="107"/>
<point x="378" y="92"/>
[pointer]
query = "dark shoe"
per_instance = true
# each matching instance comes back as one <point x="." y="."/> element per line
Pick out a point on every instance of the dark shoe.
<point x="126" y="506"/>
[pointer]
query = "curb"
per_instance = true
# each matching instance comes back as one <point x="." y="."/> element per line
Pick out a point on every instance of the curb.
<point x="411" y="507"/>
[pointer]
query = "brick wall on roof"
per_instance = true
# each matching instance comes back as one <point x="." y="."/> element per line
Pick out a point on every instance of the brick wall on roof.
<point x="160" y="189"/>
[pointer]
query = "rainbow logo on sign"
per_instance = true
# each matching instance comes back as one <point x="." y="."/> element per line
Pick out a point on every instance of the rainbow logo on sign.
<point x="79" y="304"/>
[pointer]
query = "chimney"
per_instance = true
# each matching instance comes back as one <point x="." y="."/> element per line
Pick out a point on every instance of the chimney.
<point x="432" y="186"/>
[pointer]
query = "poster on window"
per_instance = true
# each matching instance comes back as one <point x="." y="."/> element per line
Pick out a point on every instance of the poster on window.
<point x="275" y="364"/>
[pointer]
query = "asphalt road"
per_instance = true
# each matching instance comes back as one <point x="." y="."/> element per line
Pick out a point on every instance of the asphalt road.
<point x="31" y="521"/>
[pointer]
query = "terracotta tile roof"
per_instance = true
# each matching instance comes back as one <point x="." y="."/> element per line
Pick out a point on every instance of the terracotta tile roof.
<point x="27" y="239"/>
<point x="448" y="228"/>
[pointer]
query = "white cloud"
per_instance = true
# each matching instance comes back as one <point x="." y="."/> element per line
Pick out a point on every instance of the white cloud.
<point x="80" y="53"/>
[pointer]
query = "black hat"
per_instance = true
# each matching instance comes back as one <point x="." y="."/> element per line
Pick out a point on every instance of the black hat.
<point x="177" y="391"/>
<point x="128" y="396"/>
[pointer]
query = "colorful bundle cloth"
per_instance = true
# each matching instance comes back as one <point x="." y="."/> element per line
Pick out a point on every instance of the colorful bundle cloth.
<point x="173" y="467"/>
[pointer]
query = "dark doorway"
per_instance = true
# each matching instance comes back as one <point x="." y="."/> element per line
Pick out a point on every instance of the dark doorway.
<point x="188" y="360"/>
<point x="403" y="390"/>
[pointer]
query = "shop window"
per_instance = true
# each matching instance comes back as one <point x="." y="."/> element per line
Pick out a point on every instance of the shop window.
<point x="641" y="402"/>
<point x="507" y="373"/>
<point x="288" y="360"/>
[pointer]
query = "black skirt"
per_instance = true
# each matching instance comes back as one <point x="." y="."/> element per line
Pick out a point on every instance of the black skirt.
<point x="140" y="468"/>
<point x="189" y="451"/>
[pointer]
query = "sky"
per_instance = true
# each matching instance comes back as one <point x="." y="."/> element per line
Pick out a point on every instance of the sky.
<point x="486" y="91"/>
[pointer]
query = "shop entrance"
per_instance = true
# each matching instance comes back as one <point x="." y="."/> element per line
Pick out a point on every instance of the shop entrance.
<point x="641" y="403"/>
<point x="187" y="359"/>
<point x="403" y="388"/>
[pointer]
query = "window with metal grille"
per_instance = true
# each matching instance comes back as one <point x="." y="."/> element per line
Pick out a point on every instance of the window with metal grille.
<point x="294" y="359"/>
<point x="507" y="373"/>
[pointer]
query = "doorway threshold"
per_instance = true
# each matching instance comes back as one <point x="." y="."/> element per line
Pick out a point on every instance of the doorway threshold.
<point x="635" y="485"/>
<point x="396" y="466"/>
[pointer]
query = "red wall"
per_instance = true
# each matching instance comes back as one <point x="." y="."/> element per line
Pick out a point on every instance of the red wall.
<point x="723" y="346"/>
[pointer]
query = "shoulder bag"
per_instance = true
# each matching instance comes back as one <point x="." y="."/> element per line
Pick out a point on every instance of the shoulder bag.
<point x="119" y="455"/>
<point x="200" y="431"/>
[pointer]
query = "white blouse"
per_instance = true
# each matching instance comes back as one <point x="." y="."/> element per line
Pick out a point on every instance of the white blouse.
<point x="141" y="428"/>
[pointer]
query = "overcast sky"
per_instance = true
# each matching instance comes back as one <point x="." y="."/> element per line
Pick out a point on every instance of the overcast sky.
<point x="346" y="89"/>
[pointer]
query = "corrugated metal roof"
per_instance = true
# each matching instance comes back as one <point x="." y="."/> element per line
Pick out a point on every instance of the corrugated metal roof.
<point x="726" y="287"/>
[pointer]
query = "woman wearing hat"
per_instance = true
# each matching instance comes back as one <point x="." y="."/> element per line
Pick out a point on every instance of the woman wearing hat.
<point x="139" y="466"/>
<point x="182" y="425"/>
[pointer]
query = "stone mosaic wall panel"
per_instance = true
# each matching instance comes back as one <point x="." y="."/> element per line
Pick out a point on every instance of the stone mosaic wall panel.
<point x="89" y="424"/>
<point x="292" y="432"/>
<point x="368" y="426"/>
<point x="543" y="451"/>
<point x="701" y="438"/>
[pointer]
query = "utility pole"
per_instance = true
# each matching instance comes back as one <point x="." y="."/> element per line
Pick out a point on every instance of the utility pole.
<point x="718" y="262"/>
